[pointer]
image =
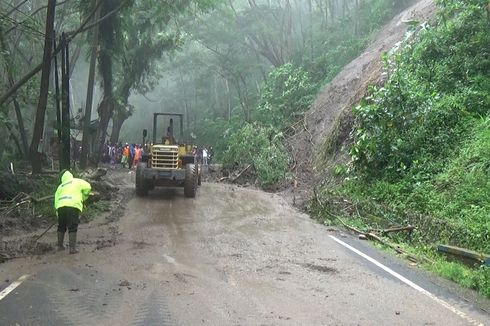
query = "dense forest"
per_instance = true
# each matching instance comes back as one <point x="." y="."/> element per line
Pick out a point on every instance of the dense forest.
<point x="224" y="64"/>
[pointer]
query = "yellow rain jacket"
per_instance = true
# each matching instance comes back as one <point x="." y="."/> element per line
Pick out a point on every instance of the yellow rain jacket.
<point x="72" y="192"/>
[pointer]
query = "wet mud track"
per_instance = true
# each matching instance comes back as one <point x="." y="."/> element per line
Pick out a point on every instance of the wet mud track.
<point x="231" y="256"/>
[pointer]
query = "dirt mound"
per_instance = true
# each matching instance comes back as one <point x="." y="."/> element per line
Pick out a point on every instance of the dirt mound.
<point x="24" y="218"/>
<point x="12" y="184"/>
<point x="22" y="247"/>
<point x="330" y="116"/>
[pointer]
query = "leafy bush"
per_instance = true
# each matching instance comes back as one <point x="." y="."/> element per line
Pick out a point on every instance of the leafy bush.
<point x="261" y="147"/>
<point x="212" y="133"/>
<point x="436" y="87"/>
<point x="473" y="279"/>
<point x="287" y="92"/>
<point x="421" y="142"/>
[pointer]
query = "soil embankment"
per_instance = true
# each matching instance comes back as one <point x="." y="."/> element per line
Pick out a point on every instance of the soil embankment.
<point x="330" y="116"/>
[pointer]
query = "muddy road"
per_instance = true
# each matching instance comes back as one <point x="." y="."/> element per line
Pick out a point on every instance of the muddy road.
<point x="231" y="256"/>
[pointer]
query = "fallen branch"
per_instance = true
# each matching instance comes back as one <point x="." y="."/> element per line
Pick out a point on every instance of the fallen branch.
<point x="307" y="130"/>
<point x="370" y="235"/>
<point x="240" y="174"/>
<point x="396" y="248"/>
<point x="41" y="235"/>
<point x="465" y="254"/>
<point x="409" y="228"/>
<point x="37" y="200"/>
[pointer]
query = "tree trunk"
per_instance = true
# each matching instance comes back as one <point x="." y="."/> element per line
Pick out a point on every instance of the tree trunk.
<point x="37" y="133"/>
<point x="8" y="67"/>
<point x="106" y="107"/>
<point x="22" y="130"/>
<point x="90" y="92"/>
<point x="14" y="138"/>
<point x="117" y="122"/>
<point x="105" y="110"/>
<point x="228" y="95"/>
<point x="65" y="140"/>
<point x="184" y="93"/>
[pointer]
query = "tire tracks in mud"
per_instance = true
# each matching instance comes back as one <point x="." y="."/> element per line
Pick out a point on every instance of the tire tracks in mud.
<point x="83" y="296"/>
<point x="80" y="297"/>
<point x="153" y="311"/>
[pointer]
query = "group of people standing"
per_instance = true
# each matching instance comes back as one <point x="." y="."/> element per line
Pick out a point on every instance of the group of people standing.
<point x="128" y="155"/>
<point x="131" y="155"/>
<point x="203" y="155"/>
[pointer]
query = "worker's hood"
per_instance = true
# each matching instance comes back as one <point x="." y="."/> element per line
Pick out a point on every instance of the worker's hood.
<point x="66" y="176"/>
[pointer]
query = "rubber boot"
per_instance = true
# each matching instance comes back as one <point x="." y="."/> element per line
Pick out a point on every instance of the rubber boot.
<point x="61" y="238"/>
<point x="72" y="237"/>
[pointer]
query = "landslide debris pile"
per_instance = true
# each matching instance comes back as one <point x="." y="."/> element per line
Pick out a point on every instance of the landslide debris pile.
<point x="26" y="209"/>
<point x="330" y="117"/>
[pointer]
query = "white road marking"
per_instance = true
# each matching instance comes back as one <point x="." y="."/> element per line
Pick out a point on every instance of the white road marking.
<point x="12" y="286"/>
<point x="409" y="283"/>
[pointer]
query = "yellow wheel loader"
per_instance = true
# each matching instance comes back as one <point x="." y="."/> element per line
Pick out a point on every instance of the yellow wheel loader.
<point x="168" y="161"/>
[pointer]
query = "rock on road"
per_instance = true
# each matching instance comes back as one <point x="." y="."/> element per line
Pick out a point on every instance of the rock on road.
<point x="231" y="256"/>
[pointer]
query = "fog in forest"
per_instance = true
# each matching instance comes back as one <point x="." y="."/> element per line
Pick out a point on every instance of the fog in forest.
<point x="223" y="64"/>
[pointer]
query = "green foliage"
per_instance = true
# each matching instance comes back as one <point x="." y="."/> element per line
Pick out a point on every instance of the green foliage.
<point x="328" y="64"/>
<point x="287" y="93"/>
<point x="421" y="142"/>
<point x="346" y="38"/>
<point x="260" y="147"/>
<point x="437" y="86"/>
<point x="478" y="279"/>
<point x="207" y="131"/>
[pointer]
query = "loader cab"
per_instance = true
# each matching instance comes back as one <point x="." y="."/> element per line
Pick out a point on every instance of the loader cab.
<point x="168" y="128"/>
<point x="168" y="138"/>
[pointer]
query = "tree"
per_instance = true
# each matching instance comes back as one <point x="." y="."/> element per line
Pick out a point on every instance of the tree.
<point x="9" y="66"/>
<point x="90" y="90"/>
<point x="43" y="92"/>
<point x="146" y="37"/>
<point x="109" y="37"/>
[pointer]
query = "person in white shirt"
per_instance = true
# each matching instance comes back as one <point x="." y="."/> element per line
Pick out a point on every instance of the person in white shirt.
<point x="205" y="156"/>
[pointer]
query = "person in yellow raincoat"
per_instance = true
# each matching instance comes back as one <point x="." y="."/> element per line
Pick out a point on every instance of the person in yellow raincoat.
<point x="68" y="202"/>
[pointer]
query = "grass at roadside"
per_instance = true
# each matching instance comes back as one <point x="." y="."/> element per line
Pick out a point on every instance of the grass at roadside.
<point x="475" y="278"/>
<point x="420" y="146"/>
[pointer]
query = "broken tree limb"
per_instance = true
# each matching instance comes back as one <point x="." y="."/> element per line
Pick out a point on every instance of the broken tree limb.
<point x="371" y="235"/>
<point x="307" y="130"/>
<point x="37" y="200"/>
<point x="241" y="172"/>
<point x="45" y="231"/>
<point x="409" y="228"/>
<point x="465" y="254"/>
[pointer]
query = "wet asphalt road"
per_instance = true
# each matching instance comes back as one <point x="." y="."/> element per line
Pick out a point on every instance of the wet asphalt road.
<point x="232" y="256"/>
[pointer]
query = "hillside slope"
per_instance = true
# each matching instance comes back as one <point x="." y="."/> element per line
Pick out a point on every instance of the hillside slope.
<point x="330" y="114"/>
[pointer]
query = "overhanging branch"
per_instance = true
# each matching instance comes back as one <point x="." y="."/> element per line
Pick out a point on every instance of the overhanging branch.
<point x="83" y="27"/>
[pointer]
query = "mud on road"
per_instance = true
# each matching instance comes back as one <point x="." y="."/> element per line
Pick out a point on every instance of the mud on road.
<point x="231" y="256"/>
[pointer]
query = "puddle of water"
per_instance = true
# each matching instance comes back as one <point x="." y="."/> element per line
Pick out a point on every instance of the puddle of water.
<point x="169" y="259"/>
